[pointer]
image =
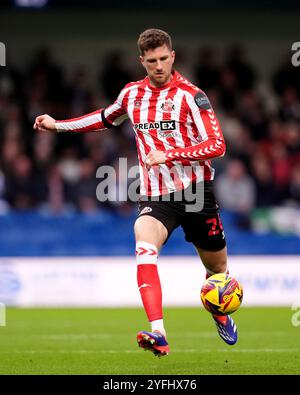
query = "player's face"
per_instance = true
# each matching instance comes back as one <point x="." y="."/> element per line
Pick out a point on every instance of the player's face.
<point x="158" y="63"/>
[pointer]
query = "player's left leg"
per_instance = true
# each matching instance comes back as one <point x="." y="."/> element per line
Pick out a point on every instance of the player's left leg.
<point x="204" y="229"/>
<point x="216" y="262"/>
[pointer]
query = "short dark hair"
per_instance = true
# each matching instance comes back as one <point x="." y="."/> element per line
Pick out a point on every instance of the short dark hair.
<point x="153" y="38"/>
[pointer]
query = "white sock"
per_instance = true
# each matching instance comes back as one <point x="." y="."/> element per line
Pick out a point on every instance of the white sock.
<point x="158" y="325"/>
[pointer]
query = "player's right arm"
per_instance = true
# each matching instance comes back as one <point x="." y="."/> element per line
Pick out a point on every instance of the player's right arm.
<point x="96" y="121"/>
<point x="92" y="122"/>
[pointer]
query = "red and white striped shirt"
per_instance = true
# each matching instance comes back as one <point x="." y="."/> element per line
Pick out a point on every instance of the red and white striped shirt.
<point x="176" y="118"/>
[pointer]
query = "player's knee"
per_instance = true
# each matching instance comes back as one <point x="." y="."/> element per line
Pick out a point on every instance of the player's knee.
<point x="149" y="229"/>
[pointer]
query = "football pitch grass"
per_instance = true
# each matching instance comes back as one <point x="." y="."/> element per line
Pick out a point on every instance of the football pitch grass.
<point x="103" y="341"/>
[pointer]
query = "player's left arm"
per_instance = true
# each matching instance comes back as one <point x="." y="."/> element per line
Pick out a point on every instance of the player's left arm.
<point x="212" y="144"/>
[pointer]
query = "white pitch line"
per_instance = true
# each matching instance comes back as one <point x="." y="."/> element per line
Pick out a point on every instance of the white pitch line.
<point x="77" y="336"/>
<point x="68" y="336"/>
<point x="243" y="350"/>
<point x="207" y="334"/>
<point x="83" y="336"/>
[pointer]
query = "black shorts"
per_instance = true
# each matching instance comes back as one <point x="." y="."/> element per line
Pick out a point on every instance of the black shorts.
<point x="199" y="218"/>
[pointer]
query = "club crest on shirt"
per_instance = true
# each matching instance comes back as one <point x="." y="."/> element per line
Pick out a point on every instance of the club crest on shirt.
<point x="137" y="103"/>
<point x="168" y="106"/>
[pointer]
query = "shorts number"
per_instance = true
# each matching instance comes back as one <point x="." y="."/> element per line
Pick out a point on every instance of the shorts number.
<point x="214" y="223"/>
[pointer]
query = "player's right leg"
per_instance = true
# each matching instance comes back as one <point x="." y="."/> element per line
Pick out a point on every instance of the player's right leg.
<point x="150" y="235"/>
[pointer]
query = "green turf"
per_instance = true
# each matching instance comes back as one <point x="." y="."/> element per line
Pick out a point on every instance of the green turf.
<point x="103" y="341"/>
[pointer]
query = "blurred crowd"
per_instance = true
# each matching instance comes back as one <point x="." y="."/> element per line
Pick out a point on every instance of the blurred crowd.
<point x="260" y="120"/>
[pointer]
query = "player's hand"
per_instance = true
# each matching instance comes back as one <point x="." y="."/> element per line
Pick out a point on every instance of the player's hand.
<point x="155" y="158"/>
<point x="44" y="123"/>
